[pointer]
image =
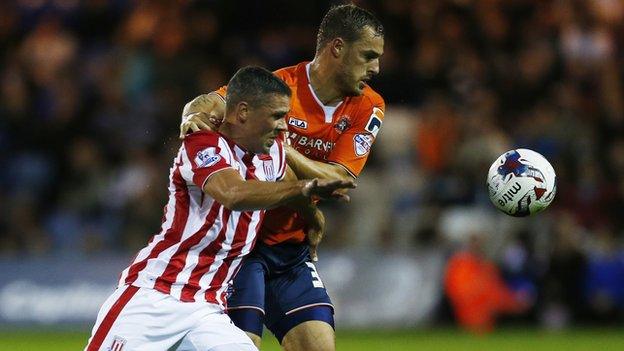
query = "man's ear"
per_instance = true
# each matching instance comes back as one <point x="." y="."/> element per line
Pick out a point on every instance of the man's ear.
<point x="337" y="47"/>
<point x="242" y="109"/>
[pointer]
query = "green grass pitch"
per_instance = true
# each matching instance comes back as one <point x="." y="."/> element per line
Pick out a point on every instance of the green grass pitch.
<point x="428" y="340"/>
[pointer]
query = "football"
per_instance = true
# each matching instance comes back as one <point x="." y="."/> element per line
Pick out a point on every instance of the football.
<point x="521" y="182"/>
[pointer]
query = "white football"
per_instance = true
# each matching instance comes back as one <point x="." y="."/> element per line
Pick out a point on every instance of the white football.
<point x="521" y="182"/>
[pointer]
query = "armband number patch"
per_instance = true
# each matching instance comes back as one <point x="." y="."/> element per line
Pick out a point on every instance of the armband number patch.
<point x="374" y="122"/>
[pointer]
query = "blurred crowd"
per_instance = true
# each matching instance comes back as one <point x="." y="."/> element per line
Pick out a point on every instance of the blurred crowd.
<point x="91" y="94"/>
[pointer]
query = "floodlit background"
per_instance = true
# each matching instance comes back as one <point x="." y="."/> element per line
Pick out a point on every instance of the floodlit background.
<point x="91" y="94"/>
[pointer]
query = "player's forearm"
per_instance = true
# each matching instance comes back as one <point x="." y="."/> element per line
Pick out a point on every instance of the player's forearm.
<point x="304" y="206"/>
<point x="254" y="195"/>
<point x="306" y="168"/>
<point x="205" y="103"/>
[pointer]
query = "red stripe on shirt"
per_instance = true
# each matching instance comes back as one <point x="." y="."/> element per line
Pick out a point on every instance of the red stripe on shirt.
<point x="178" y="260"/>
<point x="112" y="314"/>
<point x="282" y="159"/>
<point x="206" y="258"/>
<point x="251" y="169"/>
<point x="238" y="242"/>
<point x="253" y="244"/>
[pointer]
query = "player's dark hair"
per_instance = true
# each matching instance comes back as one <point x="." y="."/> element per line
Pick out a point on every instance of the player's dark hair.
<point x="252" y="84"/>
<point x="346" y="22"/>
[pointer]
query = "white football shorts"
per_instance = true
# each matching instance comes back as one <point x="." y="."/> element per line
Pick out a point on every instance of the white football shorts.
<point x="137" y="319"/>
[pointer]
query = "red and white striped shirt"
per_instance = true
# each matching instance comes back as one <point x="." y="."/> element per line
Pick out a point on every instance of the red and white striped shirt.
<point x="201" y="243"/>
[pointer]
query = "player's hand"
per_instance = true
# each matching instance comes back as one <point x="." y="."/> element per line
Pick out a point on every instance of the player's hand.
<point x="328" y="189"/>
<point x="197" y="121"/>
<point x="315" y="232"/>
<point x="209" y="111"/>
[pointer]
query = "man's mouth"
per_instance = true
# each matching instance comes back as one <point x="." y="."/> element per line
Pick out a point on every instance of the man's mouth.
<point x="363" y="81"/>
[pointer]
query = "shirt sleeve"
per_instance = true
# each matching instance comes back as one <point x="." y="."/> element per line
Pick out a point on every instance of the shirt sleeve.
<point x="204" y="153"/>
<point x="353" y="146"/>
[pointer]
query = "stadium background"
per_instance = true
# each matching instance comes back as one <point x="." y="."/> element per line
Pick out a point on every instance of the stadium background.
<point x="90" y="99"/>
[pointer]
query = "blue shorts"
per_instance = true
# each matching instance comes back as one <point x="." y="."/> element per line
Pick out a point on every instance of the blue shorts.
<point x="280" y="297"/>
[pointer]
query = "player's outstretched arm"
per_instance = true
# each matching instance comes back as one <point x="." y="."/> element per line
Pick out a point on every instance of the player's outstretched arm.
<point x="232" y="191"/>
<point x="314" y="218"/>
<point x="205" y="112"/>
<point x="306" y="168"/>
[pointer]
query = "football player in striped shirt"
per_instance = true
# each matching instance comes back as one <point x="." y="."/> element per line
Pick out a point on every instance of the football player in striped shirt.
<point x="173" y="295"/>
<point x="333" y="121"/>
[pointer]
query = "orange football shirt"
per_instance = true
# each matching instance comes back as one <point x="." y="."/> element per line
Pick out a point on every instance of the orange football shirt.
<point x="342" y="135"/>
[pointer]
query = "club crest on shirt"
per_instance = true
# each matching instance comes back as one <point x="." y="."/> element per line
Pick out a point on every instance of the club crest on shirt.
<point x="268" y="170"/>
<point x="362" y="143"/>
<point x="207" y="157"/>
<point x="118" y="344"/>
<point x="297" y="123"/>
<point x="344" y="122"/>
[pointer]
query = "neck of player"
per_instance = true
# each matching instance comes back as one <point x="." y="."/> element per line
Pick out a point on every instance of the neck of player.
<point x="235" y="134"/>
<point x="323" y="82"/>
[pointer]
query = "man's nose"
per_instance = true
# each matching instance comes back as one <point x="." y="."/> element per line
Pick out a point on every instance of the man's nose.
<point x="281" y="125"/>
<point x="374" y="68"/>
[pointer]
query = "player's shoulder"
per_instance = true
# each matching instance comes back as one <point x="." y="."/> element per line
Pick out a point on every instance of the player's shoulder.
<point x="290" y="74"/>
<point x="370" y="107"/>
<point x="373" y="98"/>
<point x="204" y="137"/>
<point x="206" y="148"/>
<point x="369" y="110"/>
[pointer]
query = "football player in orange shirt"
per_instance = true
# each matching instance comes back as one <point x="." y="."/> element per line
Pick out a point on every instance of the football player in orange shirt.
<point x="333" y="121"/>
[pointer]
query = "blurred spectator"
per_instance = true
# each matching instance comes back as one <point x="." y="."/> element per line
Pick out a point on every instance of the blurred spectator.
<point x="476" y="289"/>
<point x="562" y="294"/>
<point x="604" y="284"/>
